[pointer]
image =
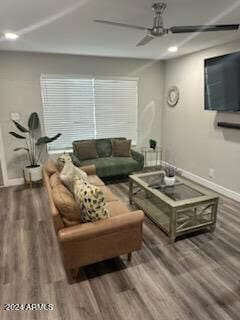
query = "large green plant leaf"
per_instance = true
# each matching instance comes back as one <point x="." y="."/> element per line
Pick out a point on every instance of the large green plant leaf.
<point x="16" y="135"/>
<point x="17" y="149"/>
<point x="33" y="121"/>
<point x="20" y="127"/>
<point x="45" y="140"/>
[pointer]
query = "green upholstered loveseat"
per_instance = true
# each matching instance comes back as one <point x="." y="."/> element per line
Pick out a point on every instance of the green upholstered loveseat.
<point x="106" y="164"/>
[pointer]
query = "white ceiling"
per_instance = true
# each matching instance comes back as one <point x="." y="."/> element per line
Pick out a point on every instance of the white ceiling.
<point x="61" y="26"/>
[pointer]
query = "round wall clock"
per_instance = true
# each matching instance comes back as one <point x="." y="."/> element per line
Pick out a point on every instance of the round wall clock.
<point x="173" y="96"/>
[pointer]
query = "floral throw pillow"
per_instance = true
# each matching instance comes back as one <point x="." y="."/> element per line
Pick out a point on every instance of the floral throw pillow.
<point x="90" y="200"/>
<point x="64" y="158"/>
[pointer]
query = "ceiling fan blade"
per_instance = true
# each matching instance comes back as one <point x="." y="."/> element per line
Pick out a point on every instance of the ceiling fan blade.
<point x="145" y="40"/>
<point x="117" y="24"/>
<point x="204" y="28"/>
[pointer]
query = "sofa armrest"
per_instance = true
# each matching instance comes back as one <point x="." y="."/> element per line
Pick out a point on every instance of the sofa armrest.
<point x="75" y="160"/>
<point x="100" y="228"/>
<point x="138" y="157"/>
<point x="90" y="170"/>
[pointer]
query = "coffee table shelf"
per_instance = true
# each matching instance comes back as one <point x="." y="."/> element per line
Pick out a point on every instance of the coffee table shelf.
<point x="154" y="213"/>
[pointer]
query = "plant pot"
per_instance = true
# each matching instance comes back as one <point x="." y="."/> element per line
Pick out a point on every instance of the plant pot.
<point x="153" y="144"/>
<point x="33" y="174"/>
<point x="170" y="181"/>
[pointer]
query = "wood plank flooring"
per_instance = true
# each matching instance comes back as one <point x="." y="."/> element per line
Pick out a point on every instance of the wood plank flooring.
<point x="197" y="278"/>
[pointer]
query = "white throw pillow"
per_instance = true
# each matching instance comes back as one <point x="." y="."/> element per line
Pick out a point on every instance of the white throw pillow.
<point x="68" y="173"/>
<point x="64" y="158"/>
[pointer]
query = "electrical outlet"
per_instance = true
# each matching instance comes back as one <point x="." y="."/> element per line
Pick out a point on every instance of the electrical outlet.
<point x="15" y="116"/>
<point x="211" y="173"/>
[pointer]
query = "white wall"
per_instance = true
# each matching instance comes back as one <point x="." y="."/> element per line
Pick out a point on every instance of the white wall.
<point x="191" y="138"/>
<point x="20" y="91"/>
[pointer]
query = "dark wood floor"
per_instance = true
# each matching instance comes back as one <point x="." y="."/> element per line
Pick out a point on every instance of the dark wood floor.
<point x="197" y="278"/>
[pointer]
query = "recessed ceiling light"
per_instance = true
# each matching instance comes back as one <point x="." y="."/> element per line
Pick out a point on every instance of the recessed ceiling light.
<point x="173" y="49"/>
<point x="11" y="36"/>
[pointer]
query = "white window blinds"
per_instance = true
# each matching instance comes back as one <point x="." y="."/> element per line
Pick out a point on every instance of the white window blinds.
<point x="87" y="108"/>
<point x="116" y="108"/>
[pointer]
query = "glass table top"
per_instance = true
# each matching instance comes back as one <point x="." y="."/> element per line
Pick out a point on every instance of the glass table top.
<point x="180" y="191"/>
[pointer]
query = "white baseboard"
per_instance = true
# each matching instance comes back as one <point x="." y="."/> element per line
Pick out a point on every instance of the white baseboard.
<point x="15" y="182"/>
<point x="209" y="184"/>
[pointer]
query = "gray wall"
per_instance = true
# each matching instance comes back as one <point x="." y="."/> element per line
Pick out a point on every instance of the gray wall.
<point x="191" y="139"/>
<point x="20" y="91"/>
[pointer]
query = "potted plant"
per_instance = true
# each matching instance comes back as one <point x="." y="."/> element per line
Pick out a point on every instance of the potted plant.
<point x="153" y="144"/>
<point x="170" y="175"/>
<point x="33" y="146"/>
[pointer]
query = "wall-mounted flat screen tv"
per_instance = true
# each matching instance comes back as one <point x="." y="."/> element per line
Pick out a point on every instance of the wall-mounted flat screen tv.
<point x="222" y="83"/>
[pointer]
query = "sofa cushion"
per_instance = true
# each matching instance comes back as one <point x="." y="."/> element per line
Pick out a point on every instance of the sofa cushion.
<point x="113" y="166"/>
<point x="55" y="179"/>
<point x="85" y="149"/>
<point x="66" y="205"/>
<point x="91" y="201"/>
<point x="108" y="195"/>
<point x="50" y="167"/>
<point x="95" y="180"/>
<point x="104" y="147"/>
<point x="121" y="148"/>
<point x="68" y="173"/>
<point x="116" y="208"/>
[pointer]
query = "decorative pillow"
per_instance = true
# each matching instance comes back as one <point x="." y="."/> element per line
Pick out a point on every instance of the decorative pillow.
<point x="66" y="205"/>
<point x="55" y="179"/>
<point x="85" y="149"/>
<point x="50" y="167"/>
<point x="64" y="158"/>
<point x="68" y="173"/>
<point x="121" y="148"/>
<point x="90" y="200"/>
<point x="104" y="148"/>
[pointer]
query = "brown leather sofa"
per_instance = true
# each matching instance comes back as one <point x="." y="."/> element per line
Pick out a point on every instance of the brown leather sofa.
<point x="87" y="243"/>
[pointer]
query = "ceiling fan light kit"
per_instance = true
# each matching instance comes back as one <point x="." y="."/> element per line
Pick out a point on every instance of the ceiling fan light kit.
<point x="173" y="49"/>
<point x="159" y="30"/>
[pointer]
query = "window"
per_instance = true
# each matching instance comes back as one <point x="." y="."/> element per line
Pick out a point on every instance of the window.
<point x="88" y="108"/>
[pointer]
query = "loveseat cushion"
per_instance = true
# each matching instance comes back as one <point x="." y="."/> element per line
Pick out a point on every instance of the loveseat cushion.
<point x="104" y="148"/>
<point x="66" y="205"/>
<point x="121" y="148"/>
<point x="91" y="201"/>
<point x="85" y="149"/>
<point x="113" y="166"/>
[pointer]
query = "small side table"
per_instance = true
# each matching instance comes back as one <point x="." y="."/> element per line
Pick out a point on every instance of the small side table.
<point x="158" y="153"/>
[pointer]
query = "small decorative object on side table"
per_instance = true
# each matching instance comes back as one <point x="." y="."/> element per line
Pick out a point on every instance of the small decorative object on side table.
<point x="152" y="144"/>
<point x="157" y="152"/>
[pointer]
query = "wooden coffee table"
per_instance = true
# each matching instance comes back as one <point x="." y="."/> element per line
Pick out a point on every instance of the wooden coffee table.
<point x="177" y="210"/>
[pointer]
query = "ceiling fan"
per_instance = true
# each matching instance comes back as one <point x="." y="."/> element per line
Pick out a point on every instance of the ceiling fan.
<point x="159" y="30"/>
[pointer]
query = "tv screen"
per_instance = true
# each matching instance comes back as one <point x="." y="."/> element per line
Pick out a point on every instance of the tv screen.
<point x="222" y="83"/>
